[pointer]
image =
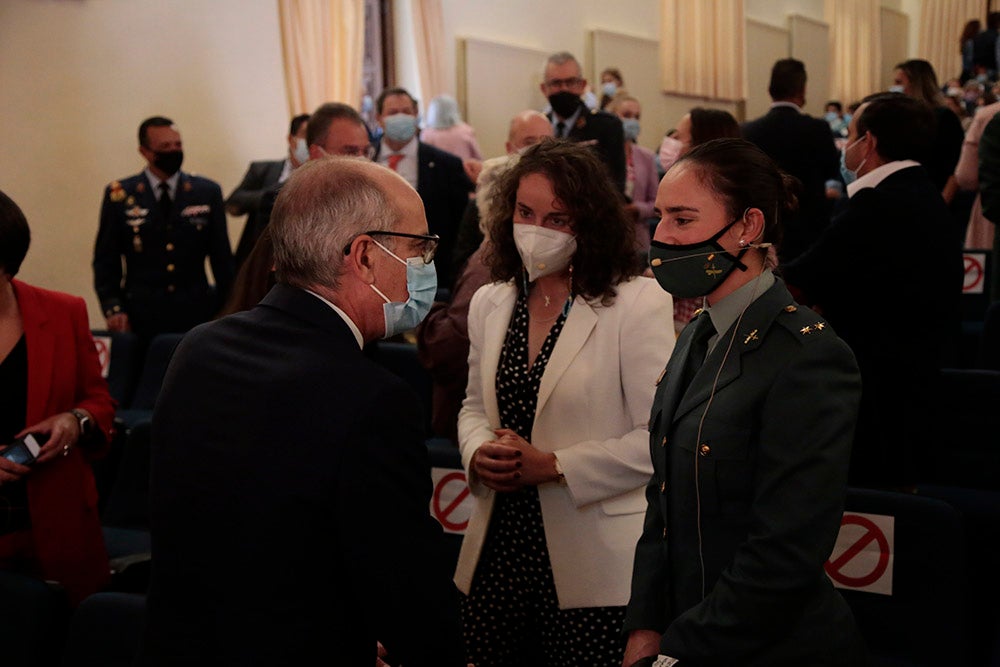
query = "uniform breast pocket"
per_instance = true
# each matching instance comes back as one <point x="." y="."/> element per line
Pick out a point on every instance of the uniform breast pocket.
<point x="725" y="466"/>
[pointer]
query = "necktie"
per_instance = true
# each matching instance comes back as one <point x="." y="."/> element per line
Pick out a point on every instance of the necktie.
<point x="560" y="129"/>
<point x="703" y="330"/>
<point x="165" y="203"/>
<point x="394" y="160"/>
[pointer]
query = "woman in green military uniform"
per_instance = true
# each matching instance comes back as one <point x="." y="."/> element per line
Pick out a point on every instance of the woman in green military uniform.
<point x="751" y="431"/>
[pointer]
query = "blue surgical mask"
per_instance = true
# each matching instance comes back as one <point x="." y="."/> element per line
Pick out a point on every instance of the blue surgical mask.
<point x="631" y="127"/>
<point x="849" y="175"/>
<point x="301" y="151"/>
<point x="896" y="89"/>
<point x="421" y="283"/>
<point x="831" y="117"/>
<point x="400" y="127"/>
<point x="609" y="88"/>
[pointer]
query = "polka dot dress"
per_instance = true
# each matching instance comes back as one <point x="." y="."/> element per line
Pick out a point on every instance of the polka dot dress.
<point x="511" y="616"/>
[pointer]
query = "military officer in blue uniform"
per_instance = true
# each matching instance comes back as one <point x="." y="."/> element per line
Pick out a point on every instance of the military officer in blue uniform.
<point x="750" y="439"/>
<point x="156" y="230"/>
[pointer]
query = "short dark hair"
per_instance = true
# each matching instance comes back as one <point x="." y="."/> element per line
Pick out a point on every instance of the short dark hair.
<point x="393" y="91"/>
<point x="788" y="79"/>
<point x="745" y="177"/>
<point x="993" y="20"/>
<point x="297" y="124"/>
<point x="836" y="104"/>
<point x="320" y="120"/>
<point x="154" y="121"/>
<point x="605" y="235"/>
<point x="904" y="127"/>
<point x="15" y="236"/>
<point x="708" y="124"/>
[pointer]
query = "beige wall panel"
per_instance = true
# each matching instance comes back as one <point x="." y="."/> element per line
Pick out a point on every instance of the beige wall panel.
<point x="895" y="44"/>
<point x="810" y="41"/>
<point x="766" y="44"/>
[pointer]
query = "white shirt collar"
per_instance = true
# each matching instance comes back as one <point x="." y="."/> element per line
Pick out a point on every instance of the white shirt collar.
<point x="350" y="323"/>
<point x="154" y="183"/>
<point x="879" y="174"/>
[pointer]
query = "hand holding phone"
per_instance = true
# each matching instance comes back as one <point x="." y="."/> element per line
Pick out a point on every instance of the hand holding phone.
<point x="24" y="450"/>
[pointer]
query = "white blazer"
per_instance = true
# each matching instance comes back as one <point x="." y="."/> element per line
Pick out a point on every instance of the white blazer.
<point x="593" y="409"/>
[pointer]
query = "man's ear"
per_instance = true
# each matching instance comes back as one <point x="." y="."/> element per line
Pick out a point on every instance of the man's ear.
<point x="359" y="261"/>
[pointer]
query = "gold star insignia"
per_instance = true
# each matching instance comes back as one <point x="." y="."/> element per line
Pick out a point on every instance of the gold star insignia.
<point x="790" y="309"/>
<point x="819" y="326"/>
<point x="805" y="330"/>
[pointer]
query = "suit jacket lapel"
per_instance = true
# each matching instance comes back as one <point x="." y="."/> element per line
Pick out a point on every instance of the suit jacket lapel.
<point x="41" y="352"/>
<point x="497" y="323"/>
<point x="576" y="330"/>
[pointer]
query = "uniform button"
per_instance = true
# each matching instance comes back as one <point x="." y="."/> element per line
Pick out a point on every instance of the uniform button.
<point x="170" y="267"/>
<point x="704" y="450"/>
<point x="663" y="487"/>
<point x="664" y="533"/>
<point x="663" y="443"/>
<point x="170" y="246"/>
<point x="171" y="288"/>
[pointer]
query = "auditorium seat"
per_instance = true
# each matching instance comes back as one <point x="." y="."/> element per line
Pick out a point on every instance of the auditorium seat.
<point x="966" y="423"/>
<point x="125" y="519"/>
<point x="33" y="618"/>
<point x="105" y="631"/>
<point x="923" y="621"/>
<point x="154" y="368"/>
<point x="124" y="359"/>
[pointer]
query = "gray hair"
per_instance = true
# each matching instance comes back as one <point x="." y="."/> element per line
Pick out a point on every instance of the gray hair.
<point x="442" y="112"/>
<point x="561" y="58"/>
<point x="322" y="207"/>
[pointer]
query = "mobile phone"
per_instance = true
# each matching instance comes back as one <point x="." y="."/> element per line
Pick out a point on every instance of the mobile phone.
<point x="24" y="450"/>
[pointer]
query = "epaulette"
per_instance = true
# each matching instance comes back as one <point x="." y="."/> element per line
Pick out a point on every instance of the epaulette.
<point x="803" y="322"/>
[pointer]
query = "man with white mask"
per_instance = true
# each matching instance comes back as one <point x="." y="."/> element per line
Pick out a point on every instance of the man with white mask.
<point x="261" y="176"/>
<point x="438" y="177"/>
<point x="273" y="425"/>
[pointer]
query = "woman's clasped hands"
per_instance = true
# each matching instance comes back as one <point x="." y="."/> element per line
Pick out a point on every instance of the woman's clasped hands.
<point x="511" y="462"/>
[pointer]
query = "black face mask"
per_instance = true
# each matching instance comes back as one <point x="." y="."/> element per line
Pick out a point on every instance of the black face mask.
<point x="169" y="162"/>
<point x="564" y="103"/>
<point x="695" y="269"/>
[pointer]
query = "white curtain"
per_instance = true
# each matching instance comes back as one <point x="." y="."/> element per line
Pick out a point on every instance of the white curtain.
<point x="428" y="34"/>
<point x="701" y="48"/>
<point x="941" y="24"/>
<point x="322" y="44"/>
<point x="855" y="44"/>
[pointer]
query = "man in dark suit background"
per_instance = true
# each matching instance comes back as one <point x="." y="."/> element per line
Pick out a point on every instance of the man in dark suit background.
<point x="802" y="146"/>
<point x="888" y="276"/>
<point x="438" y="176"/>
<point x="563" y="84"/>
<point x="260" y="177"/>
<point x="161" y="224"/>
<point x="290" y="484"/>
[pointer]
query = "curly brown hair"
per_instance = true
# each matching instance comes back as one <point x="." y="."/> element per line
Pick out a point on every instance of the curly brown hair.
<point x="604" y="233"/>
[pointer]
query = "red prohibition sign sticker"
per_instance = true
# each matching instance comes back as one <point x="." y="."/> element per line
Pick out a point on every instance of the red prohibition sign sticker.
<point x="445" y="504"/>
<point x="835" y="568"/>
<point x="103" y="346"/>
<point x="974" y="272"/>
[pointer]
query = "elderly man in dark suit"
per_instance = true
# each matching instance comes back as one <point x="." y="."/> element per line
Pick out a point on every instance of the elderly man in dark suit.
<point x="161" y="224"/>
<point x="802" y="146"/>
<point x="888" y="251"/>
<point x="563" y="85"/>
<point x="438" y="176"/>
<point x="290" y="483"/>
<point x="261" y="176"/>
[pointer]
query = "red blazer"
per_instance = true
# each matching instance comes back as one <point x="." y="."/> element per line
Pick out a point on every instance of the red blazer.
<point x="64" y="373"/>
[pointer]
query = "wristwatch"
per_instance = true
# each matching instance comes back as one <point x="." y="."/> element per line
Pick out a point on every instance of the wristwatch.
<point x="85" y="423"/>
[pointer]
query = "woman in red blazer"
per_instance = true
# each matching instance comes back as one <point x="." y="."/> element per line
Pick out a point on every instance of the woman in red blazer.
<point x="50" y="384"/>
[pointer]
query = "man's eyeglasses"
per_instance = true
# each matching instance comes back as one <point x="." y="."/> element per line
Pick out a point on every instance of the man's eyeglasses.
<point x="571" y="82"/>
<point x="428" y="244"/>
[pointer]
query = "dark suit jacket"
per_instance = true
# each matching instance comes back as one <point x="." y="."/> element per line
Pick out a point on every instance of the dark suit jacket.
<point x="889" y="252"/>
<point x="290" y="491"/>
<point x="165" y="287"/>
<point x="246" y="198"/>
<point x="802" y="146"/>
<point x="604" y="131"/>
<point x="444" y="188"/>
<point x="770" y="462"/>
<point x="64" y="373"/>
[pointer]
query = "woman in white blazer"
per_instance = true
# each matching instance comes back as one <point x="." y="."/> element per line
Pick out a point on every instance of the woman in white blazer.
<point x="565" y="350"/>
